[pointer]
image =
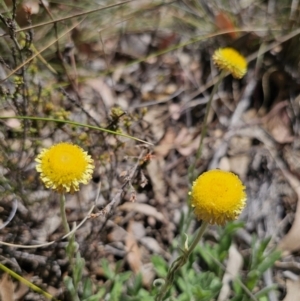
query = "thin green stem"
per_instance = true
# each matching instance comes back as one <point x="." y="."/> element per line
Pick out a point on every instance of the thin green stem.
<point x="26" y="282"/>
<point x="76" y="124"/>
<point x="71" y="247"/>
<point x="180" y="262"/>
<point x="191" y="171"/>
<point x="197" y="238"/>
<point x="63" y="213"/>
<point x="71" y="244"/>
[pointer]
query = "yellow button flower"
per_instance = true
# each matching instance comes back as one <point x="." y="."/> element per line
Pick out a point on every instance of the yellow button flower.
<point x="230" y="60"/>
<point x="218" y="196"/>
<point x="64" y="166"/>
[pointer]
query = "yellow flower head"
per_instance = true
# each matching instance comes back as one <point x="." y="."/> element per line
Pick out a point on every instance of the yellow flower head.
<point x="218" y="196"/>
<point x="64" y="166"/>
<point x="230" y="60"/>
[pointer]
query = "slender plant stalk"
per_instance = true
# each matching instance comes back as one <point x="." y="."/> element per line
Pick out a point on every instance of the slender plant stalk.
<point x="191" y="171"/>
<point x="71" y="244"/>
<point x="71" y="247"/>
<point x="63" y="213"/>
<point x="197" y="238"/>
<point x="75" y="124"/>
<point x="180" y="262"/>
<point x="26" y="282"/>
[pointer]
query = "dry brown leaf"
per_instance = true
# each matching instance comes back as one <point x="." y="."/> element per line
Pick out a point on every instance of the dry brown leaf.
<point x="154" y="169"/>
<point x="175" y="111"/>
<point x="279" y="130"/>
<point x="166" y="143"/>
<point x="291" y="240"/>
<point x="6" y="288"/>
<point x="186" y="143"/>
<point x="155" y="117"/>
<point x="104" y="91"/>
<point x="12" y="123"/>
<point x="238" y="154"/>
<point x="51" y="224"/>
<point x="29" y="7"/>
<point x="152" y="245"/>
<point x="293" y="290"/>
<point x="238" y="144"/>
<point x="142" y="208"/>
<point x="135" y="45"/>
<point x="134" y="254"/>
<point x="234" y="265"/>
<point x="239" y="165"/>
<point x="167" y="41"/>
<point x="278" y="123"/>
<point x="223" y="22"/>
<point x="143" y="180"/>
<point x="138" y="230"/>
<point x="148" y="274"/>
<point x="291" y="155"/>
<point x="118" y="234"/>
<point x="224" y="163"/>
<point x="33" y="5"/>
<point x="22" y="291"/>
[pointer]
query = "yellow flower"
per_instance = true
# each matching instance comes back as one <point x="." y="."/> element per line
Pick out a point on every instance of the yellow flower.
<point x="230" y="60"/>
<point x="64" y="166"/>
<point x="218" y="196"/>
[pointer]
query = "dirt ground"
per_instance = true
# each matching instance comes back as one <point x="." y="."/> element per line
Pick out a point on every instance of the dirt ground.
<point x="152" y="83"/>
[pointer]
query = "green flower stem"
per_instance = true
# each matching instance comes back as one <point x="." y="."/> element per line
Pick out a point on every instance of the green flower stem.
<point x="75" y="124"/>
<point x="26" y="282"/>
<point x="191" y="170"/>
<point x="197" y="238"/>
<point x="71" y="245"/>
<point x="63" y="213"/>
<point x="180" y="262"/>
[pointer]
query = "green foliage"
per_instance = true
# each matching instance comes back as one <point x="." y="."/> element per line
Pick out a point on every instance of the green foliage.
<point x="160" y="265"/>
<point x="214" y="254"/>
<point x="72" y="283"/>
<point x="259" y="262"/>
<point x="124" y="286"/>
<point x="193" y="284"/>
<point x="119" y="286"/>
<point x="88" y="295"/>
<point x="198" y="286"/>
<point x="70" y="288"/>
